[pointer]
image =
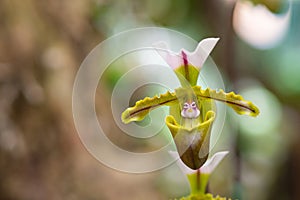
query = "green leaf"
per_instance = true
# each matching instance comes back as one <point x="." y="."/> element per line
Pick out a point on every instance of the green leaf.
<point x="235" y="101"/>
<point x="143" y="107"/>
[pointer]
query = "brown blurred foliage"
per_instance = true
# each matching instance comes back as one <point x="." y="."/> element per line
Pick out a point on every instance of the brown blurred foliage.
<point x="42" y="44"/>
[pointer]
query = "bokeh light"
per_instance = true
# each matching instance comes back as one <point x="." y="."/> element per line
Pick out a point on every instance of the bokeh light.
<point x="258" y="26"/>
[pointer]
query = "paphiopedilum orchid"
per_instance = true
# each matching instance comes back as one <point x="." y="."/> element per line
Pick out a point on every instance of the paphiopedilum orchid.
<point x="192" y="109"/>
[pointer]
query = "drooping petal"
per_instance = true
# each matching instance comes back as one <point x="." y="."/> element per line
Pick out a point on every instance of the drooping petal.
<point x="199" y="56"/>
<point x="143" y="107"/>
<point x="213" y="162"/>
<point x="235" y="101"/>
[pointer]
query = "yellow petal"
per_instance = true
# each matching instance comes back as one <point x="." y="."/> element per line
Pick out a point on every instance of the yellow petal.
<point x="235" y="101"/>
<point x="143" y="107"/>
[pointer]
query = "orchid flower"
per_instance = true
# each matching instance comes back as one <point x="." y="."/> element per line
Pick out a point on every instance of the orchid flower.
<point x="192" y="109"/>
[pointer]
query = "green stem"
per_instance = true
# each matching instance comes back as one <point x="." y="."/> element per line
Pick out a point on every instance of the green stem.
<point x="198" y="182"/>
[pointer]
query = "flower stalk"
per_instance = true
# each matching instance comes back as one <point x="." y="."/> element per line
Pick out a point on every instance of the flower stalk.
<point x="198" y="182"/>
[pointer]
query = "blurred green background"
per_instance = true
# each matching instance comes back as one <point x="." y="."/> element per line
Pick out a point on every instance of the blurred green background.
<point x="42" y="44"/>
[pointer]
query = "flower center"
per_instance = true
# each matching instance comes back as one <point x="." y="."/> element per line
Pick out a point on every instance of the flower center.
<point x="190" y="110"/>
